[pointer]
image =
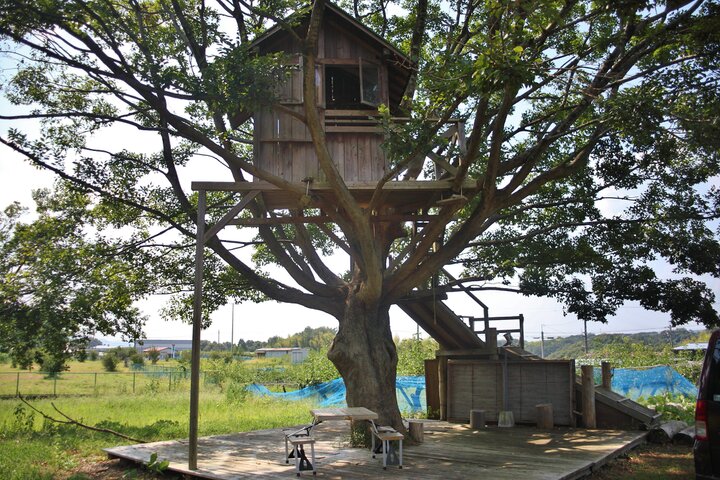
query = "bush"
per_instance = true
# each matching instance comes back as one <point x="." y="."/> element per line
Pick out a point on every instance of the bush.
<point x="137" y="360"/>
<point x="316" y="369"/>
<point x="412" y="354"/>
<point x="672" y="407"/>
<point x="51" y="364"/>
<point x="153" y="355"/>
<point x="110" y="362"/>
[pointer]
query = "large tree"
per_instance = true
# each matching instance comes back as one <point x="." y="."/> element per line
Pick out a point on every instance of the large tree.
<point x="592" y="141"/>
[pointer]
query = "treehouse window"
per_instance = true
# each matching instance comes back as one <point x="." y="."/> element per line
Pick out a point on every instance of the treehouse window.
<point x="349" y="87"/>
<point x="369" y="83"/>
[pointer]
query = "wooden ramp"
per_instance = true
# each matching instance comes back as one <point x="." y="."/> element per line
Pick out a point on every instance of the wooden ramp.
<point x="450" y="451"/>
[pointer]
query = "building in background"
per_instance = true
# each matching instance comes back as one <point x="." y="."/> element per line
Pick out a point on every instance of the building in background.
<point x="168" y="348"/>
<point x="296" y="354"/>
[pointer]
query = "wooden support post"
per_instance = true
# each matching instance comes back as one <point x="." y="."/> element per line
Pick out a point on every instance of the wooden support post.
<point x="545" y="418"/>
<point x="606" y="375"/>
<point x="442" y="386"/>
<point x="197" y="328"/>
<point x="588" y="397"/>
<point x="491" y="342"/>
<point x="477" y="419"/>
<point x="416" y="430"/>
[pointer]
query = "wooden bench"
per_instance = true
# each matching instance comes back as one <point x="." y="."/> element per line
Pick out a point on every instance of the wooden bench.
<point x="297" y="438"/>
<point x="302" y="463"/>
<point x="386" y="435"/>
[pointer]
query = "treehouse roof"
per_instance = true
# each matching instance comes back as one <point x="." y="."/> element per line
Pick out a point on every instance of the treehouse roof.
<point x="398" y="64"/>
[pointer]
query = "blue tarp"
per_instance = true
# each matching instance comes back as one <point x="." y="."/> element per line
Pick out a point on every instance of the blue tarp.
<point x="629" y="382"/>
<point x="410" y="393"/>
<point x="635" y="383"/>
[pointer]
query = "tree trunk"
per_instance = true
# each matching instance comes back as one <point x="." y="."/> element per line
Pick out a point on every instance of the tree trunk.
<point x="364" y="353"/>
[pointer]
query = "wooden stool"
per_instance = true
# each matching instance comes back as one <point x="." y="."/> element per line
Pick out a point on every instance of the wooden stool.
<point x="545" y="416"/>
<point x="477" y="418"/>
<point x="416" y="430"/>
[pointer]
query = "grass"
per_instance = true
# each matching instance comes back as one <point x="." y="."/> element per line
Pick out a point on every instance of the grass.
<point x="31" y="447"/>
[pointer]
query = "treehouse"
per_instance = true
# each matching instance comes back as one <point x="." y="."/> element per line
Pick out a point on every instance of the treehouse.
<point x="356" y="72"/>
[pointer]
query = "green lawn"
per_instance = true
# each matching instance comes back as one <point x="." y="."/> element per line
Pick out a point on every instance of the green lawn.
<point x="34" y="448"/>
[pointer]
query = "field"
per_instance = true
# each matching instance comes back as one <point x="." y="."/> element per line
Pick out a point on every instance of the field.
<point x="154" y="406"/>
<point x="32" y="447"/>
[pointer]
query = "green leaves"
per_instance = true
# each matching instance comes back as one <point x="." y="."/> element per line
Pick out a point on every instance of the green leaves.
<point x="59" y="284"/>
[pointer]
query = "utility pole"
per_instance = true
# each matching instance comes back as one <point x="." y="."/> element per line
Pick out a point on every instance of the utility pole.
<point x="232" y="328"/>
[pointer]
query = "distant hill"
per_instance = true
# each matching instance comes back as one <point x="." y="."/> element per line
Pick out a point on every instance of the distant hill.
<point x="574" y="346"/>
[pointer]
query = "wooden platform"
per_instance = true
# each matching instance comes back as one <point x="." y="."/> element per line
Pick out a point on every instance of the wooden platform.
<point x="450" y="451"/>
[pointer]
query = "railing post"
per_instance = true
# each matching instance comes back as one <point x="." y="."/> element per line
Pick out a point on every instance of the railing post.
<point x="522" y="331"/>
<point x="55" y="385"/>
<point x="606" y="375"/>
<point x="588" y="397"/>
<point x="17" y="385"/>
<point x="95" y="384"/>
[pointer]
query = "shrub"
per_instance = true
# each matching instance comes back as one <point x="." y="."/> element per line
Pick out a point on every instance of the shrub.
<point x="137" y="360"/>
<point x="316" y="369"/>
<point x="51" y="364"/>
<point x="154" y="355"/>
<point x="110" y="362"/>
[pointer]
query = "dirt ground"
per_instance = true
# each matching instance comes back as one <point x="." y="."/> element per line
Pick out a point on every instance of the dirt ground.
<point x="651" y="461"/>
<point x="647" y="462"/>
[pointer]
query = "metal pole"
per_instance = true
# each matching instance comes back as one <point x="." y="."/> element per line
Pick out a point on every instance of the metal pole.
<point x="197" y="327"/>
<point x="17" y="385"/>
<point x="232" y="329"/>
<point x="586" y="345"/>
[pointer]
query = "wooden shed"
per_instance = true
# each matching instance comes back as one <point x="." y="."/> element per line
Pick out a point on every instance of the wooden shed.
<point x="356" y="72"/>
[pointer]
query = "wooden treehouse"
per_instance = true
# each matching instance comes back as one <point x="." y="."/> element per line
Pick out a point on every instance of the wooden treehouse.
<point x="356" y="72"/>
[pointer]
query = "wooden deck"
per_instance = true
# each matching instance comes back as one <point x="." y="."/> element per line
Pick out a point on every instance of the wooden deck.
<point x="450" y="451"/>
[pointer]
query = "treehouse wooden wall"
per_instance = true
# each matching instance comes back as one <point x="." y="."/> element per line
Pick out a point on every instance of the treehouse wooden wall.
<point x="282" y="142"/>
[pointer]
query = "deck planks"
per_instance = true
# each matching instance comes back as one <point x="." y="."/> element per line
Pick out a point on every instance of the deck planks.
<point x="449" y="451"/>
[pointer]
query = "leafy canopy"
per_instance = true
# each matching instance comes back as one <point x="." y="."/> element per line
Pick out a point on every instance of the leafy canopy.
<point x="591" y="135"/>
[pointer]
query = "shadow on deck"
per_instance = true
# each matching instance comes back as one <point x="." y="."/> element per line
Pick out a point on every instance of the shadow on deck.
<point x="450" y="451"/>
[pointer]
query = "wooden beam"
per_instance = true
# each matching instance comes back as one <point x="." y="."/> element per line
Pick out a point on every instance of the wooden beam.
<point x="316" y="187"/>
<point x="229" y="216"/>
<point x="317" y="219"/>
